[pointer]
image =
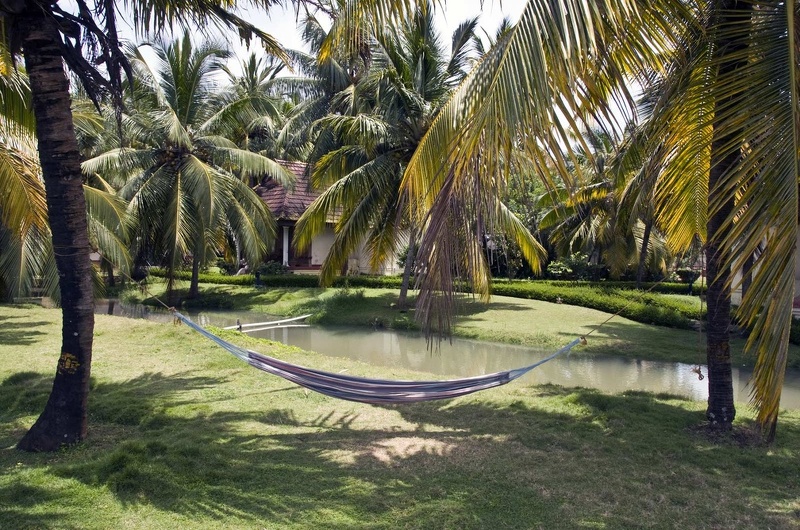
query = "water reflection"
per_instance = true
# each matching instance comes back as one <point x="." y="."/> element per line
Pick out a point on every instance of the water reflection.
<point x="464" y="358"/>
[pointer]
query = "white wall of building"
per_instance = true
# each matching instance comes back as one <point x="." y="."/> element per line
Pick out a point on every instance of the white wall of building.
<point x="389" y="267"/>
<point x="358" y="263"/>
<point x="321" y="245"/>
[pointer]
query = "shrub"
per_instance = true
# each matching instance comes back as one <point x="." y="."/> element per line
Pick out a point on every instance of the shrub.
<point x="206" y="277"/>
<point x="575" y="267"/>
<point x="636" y="305"/>
<point x="226" y="267"/>
<point x="272" y="268"/>
<point x="608" y="296"/>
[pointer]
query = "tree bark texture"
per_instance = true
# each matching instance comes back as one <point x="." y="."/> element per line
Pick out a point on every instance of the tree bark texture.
<point x="648" y="227"/>
<point x="63" y="420"/>
<point x="194" y="284"/>
<point x="411" y="255"/>
<point x="721" y="411"/>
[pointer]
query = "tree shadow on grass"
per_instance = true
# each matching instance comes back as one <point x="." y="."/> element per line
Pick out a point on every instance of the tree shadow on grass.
<point x="18" y="500"/>
<point x="17" y="331"/>
<point x="167" y="443"/>
<point x="472" y="306"/>
<point x="23" y="394"/>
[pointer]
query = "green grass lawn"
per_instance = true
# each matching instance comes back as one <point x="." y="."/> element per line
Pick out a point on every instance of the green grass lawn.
<point x="182" y="435"/>
<point x="503" y="319"/>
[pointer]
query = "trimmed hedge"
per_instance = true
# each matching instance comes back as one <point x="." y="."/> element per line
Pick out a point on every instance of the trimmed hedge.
<point x="645" y="307"/>
<point x="611" y="297"/>
<point x="651" y="287"/>
<point x="285" y="280"/>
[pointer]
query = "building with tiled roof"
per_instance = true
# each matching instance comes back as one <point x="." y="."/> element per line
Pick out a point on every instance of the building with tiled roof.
<point x="287" y="205"/>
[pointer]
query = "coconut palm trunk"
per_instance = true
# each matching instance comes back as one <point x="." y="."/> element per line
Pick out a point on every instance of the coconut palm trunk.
<point x="194" y="285"/>
<point x="721" y="411"/>
<point x="63" y="420"/>
<point x="724" y="158"/>
<point x="648" y="227"/>
<point x="402" y="301"/>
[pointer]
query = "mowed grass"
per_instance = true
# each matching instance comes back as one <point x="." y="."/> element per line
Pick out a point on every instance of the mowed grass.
<point x="182" y="435"/>
<point x="503" y="319"/>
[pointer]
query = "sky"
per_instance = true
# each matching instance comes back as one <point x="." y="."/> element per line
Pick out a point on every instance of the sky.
<point x="281" y="23"/>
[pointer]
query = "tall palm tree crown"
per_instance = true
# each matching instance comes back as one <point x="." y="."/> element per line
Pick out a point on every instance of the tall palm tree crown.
<point x="362" y="151"/>
<point x="185" y="179"/>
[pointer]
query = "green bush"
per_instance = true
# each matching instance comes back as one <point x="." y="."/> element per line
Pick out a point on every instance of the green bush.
<point x="575" y="267"/>
<point x="636" y="305"/>
<point x="272" y="268"/>
<point x="373" y="282"/>
<point x="609" y="296"/>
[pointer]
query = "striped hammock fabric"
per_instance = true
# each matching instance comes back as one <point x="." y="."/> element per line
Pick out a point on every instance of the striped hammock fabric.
<point x="367" y="390"/>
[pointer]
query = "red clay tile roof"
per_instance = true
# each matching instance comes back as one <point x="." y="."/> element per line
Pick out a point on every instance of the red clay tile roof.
<point x="288" y="205"/>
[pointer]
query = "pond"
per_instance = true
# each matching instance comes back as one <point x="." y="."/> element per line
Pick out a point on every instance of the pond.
<point x="463" y="358"/>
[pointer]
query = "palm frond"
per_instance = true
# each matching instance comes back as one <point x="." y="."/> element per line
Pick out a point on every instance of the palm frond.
<point x="202" y="182"/>
<point x="23" y="259"/>
<point x="156" y="15"/>
<point x="238" y="113"/>
<point x="531" y="249"/>
<point x="350" y="231"/>
<point x="249" y="164"/>
<point x="356" y="20"/>
<point x="252" y="222"/>
<point x="22" y="198"/>
<point x="561" y="68"/>
<point x="108" y="226"/>
<point x="120" y="161"/>
<point x="363" y="129"/>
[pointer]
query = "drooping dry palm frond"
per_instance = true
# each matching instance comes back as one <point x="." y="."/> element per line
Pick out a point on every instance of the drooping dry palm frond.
<point x="724" y="76"/>
<point x="564" y="66"/>
<point x="356" y="21"/>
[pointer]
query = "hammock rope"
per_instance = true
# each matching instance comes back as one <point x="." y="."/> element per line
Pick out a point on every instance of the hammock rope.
<point x="366" y="390"/>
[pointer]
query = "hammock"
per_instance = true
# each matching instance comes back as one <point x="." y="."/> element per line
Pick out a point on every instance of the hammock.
<point x="367" y="390"/>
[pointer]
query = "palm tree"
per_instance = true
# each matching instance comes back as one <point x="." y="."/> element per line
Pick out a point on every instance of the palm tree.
<point x="318" y="89"/>
<point x="361" y="155"/>
<point x="607" y="214"/>
<point x="49" y="37"/>
<point x="725" y="118"/>
<point x="257" y="108"/>
<point x="183" y="173"/>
